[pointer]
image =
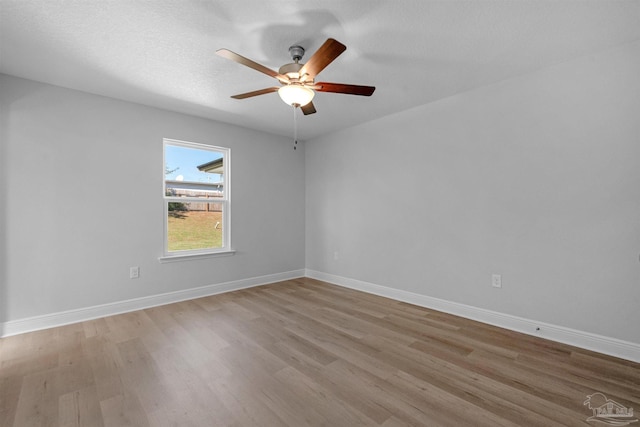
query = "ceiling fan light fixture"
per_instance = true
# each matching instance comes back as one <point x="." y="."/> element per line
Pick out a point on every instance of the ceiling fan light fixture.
<point x="296" y="94"/>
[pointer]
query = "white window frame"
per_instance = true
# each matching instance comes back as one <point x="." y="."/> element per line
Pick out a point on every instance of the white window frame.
<point x="225" y="249"/>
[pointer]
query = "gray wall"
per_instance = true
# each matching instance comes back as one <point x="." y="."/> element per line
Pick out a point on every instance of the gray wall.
<point x="81" y="188"/>
<point x="536" y="178"/>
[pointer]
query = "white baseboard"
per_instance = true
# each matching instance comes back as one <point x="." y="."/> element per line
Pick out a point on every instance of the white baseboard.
<point x="606" y="345"/>
<point x="30" y="324"/>
<point x="601" y="344"/>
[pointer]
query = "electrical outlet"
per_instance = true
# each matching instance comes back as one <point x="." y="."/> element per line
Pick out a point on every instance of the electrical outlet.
<point x="496" y="280"/>
<point x="134" y="272"/>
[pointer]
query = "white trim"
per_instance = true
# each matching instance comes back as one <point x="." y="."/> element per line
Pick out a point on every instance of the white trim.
<point x="191" y="256"/>
<point x="14" y="327"/>
<point x="601" y="344"/>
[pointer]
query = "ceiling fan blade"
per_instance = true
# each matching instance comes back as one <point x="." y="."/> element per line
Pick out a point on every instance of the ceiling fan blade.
<point x="344" y="88"/>
<point x="255" y="93"/>
<point x="329" y="51"/>
<point x="308" y="109"/>
<point x="226" y="53"/>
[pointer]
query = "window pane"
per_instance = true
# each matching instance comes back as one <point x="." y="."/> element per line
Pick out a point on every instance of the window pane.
<point x="198" y="167"/>
<point x="194" y="225"/>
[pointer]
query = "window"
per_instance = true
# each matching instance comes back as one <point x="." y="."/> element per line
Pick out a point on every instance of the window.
<point x="196" y="200"/>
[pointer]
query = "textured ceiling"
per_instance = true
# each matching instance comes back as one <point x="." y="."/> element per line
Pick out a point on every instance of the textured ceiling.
<point x="161" y="52"/>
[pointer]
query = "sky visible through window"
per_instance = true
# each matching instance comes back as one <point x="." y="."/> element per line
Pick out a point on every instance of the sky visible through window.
<point x="184" y="162"/>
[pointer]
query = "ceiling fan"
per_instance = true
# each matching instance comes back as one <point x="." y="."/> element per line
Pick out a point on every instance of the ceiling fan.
<point x="297" y="80"/>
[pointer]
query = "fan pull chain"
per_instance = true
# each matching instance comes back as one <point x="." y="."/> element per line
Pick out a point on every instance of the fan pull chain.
<point x="295" y="128"/>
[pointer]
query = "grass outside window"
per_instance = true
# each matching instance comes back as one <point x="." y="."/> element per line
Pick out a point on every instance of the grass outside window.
<point x="194" y="230"/>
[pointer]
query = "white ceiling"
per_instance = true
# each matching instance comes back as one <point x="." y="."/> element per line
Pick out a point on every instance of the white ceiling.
<point x="161" y="52"/>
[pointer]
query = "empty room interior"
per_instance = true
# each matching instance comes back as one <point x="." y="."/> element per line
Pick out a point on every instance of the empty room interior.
<point x="440" y="225"/>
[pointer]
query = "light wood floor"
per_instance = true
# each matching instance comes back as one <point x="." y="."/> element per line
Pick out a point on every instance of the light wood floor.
<point x="297" y="353"/>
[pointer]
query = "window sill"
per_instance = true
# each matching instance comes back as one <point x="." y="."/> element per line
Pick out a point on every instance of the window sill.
<point x="188" y="257"/>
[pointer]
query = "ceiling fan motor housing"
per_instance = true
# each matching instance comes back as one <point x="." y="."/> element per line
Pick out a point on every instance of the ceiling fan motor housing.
<point x="291" y="70"/>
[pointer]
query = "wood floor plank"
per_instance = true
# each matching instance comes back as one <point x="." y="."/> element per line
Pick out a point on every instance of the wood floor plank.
<point x="335" y="410"/>
<point x="123" y="411"/>
<point x="300" y="353"/>
<point x="240" y="400"/>
<point x="80" y="408"/>
<point x="38" y="401"/>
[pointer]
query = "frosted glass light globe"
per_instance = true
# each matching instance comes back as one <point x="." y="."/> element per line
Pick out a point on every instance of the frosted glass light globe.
<point x="296" y="94"/>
